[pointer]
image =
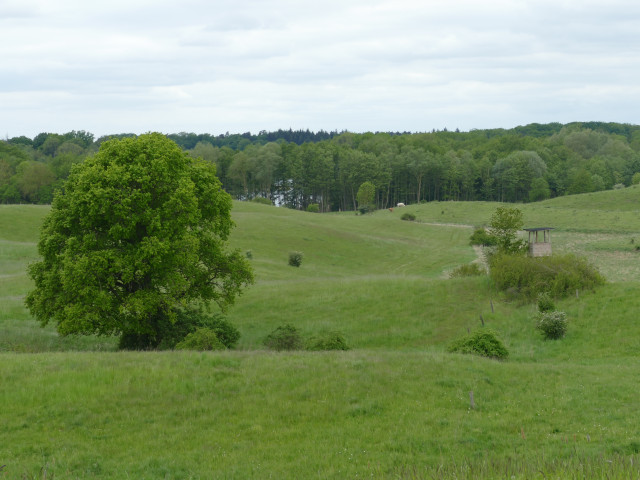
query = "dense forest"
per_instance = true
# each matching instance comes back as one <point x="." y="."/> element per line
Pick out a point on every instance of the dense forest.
<point x="300" y="168"/>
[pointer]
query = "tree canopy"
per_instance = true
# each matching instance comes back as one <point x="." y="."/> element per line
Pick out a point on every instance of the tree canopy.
<point x="136" y="238"/>
<point x="298" y="168"/>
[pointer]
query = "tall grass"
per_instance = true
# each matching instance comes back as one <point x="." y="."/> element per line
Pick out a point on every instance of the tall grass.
<point x="328" y="415"/>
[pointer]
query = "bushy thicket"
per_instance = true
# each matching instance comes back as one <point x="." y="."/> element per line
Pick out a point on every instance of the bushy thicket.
<point x="409" y="217"/>
<point x="468" y="270"/>
<point x="483" y="342"/>
<point x="558" y="275"/>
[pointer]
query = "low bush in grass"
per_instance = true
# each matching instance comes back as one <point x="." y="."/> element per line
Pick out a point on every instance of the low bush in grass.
<point x="202" y="339"/>
<point x="409" y="217"/>
<point x="284" y="337"/>
<point x="468" y="270"/>
<point x="295" y="259"/>
<point x="313" y="208"/>
<point x="552" y="325"/>
<point x="483" y="342"/>
<point x="557" y="275"/>
<point x="327" y="341"/>
<point x="262" y="200"/>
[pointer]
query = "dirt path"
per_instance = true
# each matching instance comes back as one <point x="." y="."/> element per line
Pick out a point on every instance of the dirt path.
<point x="482" y="258"/>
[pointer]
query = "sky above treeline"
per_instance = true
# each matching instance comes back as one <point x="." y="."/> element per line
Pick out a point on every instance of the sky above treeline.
<point x="212" y="66"/>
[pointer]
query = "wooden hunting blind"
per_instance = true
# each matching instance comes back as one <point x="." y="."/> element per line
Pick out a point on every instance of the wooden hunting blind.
<point x="539" y="241"/>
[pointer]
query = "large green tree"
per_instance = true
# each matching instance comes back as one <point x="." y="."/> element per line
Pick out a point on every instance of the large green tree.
<point x="134" y="242"/>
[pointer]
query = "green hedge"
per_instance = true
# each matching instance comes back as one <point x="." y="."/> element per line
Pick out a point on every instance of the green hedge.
<point x="557" y="275"/>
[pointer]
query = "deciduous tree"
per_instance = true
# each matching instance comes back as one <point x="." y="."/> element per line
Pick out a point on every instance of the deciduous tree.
<point x="505" y="223"/>
<point x="136" y="238"/>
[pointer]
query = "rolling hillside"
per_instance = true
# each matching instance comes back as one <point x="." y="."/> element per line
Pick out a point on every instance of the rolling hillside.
<point x="395" y="406"/>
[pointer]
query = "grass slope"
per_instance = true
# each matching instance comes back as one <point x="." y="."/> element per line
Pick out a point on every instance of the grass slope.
<point x="396" y="406"/>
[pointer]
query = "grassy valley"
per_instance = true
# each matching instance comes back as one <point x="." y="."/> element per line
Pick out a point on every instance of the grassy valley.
<point x="396" y="405"/>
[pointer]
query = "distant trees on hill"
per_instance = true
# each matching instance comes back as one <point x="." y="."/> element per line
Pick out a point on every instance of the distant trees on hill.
<point x="296" y="168"/>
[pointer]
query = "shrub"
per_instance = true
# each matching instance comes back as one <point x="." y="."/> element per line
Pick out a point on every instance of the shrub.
<point x="481" y="237"/>
<point x="557" y="275"/>
<point x="225" y="331"/>
<point x="545" y="302"/>
<point x="262" y="200"/>
<point x="295" y="259"/>
<point x="202" y="339"/>
<point x="410" y="217"/>
<point x="183" y="322"/>
<point x="313" y="208"/>
<point x="249" y="254"/>
<point x="468" y="270"/>
<point x="552" y="325"/>
<point x="482" y="342"/>
<point x="328" y="341"/>
<point x="285" y="337"/>
<point x="364" y="209"/>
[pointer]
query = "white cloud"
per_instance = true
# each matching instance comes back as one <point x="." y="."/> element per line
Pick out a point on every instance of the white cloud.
<point x="217" y="66"/>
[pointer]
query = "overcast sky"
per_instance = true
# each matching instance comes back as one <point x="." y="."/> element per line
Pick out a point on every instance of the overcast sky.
<point x="212" y="66"/>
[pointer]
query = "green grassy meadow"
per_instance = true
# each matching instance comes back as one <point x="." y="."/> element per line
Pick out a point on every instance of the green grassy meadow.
<point x="396" y="405"/>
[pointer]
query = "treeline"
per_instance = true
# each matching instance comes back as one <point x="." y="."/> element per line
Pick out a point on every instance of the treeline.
<point x="299" y="168"/>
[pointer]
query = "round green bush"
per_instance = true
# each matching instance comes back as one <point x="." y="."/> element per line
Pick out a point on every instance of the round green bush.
<point x="295" y="259"/>
<point x="552" y="325"/>
<point x="285" y="337"/>
<point x="483" y="342"/>
<point x="313" y="208"/>
<point x="328" y="341"/>
<point x="202" y="339"/>
<point x="409" y="217"/>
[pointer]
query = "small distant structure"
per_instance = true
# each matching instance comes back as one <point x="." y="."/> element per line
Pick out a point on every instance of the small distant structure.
<point x="540" y="246"/>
